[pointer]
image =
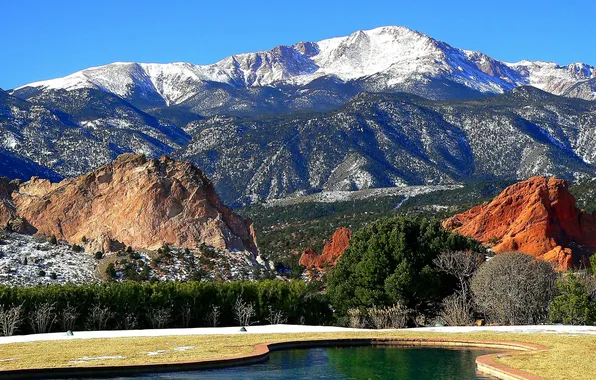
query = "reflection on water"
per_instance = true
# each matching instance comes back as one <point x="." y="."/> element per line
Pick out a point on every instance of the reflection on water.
<point x="347" y="363"/>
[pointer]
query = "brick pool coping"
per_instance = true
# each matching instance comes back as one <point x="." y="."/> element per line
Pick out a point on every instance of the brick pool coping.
<point x="485" y="363"/>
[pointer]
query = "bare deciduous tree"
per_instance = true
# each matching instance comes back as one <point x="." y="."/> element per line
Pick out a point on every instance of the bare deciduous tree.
<point x="461" y="265"/>
<point x="213" y="316"/>
<point x="514" y="288"/>
<point x="186" y="314"/>
<point x="42" y="317"/>
<point x="160" y="317"/>
<point x="130" y="321"/>
<point x="244" y="312"/>
<point x="276" y="317"/>
<point x="99" y="316"/>
<point x="457" y="309"/>
<point x="69" y="317"/>
<point x="10" y="319"/>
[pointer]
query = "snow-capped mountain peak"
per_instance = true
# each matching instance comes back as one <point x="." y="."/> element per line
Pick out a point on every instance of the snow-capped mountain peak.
<point x="386" y="58"/>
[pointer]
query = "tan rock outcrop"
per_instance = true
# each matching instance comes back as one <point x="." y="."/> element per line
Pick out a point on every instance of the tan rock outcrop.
<point x="537" y="216"/>
<point x="138" y="202"/>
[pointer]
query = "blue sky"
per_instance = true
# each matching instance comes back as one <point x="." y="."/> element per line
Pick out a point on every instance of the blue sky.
<point x="47" y="39"/>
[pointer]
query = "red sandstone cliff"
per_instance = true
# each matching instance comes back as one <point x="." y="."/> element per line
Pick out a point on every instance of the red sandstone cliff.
<point x="137" y="202"/>
<point x="331" y="252"/>
<point x="537" y="216"/>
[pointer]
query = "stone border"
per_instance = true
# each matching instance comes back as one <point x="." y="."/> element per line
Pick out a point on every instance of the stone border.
<point x="484" y="363"/>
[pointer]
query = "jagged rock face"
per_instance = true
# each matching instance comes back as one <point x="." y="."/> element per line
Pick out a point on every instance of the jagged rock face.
<point x="7" y="209"/>
<point x="308" y="258"/>
<point x="537" y="216"/>
<point x="331" y="252"/>
<point x="137" y="202"/>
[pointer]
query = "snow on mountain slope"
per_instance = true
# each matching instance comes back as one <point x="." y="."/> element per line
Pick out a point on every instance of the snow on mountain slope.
<point x="388" y="56"/>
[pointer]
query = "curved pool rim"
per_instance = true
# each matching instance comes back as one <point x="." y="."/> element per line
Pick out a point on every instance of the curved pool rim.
<point x="484" y="363"/>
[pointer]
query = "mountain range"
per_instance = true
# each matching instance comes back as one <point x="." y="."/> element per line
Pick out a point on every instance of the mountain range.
<point x="384" y="107"/>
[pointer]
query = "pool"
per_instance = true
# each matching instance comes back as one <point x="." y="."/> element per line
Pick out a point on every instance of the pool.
<point x="364" y="362"/>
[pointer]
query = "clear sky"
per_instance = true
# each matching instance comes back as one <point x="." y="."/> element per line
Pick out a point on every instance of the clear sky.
<point x="46" y="39"/>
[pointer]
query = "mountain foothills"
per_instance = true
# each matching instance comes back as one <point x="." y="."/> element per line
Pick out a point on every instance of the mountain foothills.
<point x="384" y="140"/>
<point x="407" y="109"/>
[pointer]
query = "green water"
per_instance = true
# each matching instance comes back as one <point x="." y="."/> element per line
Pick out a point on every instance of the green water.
<point x="348" y="363"/>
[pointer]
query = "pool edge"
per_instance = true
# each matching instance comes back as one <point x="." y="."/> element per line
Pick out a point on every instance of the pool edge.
<point x="485" y="363"/>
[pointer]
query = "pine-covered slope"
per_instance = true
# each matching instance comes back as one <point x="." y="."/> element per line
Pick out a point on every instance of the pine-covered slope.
<point x="71" y="133"/>
<point x="381" y="140"/>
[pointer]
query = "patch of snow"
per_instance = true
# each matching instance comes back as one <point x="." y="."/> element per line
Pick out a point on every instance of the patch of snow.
<point x="184" y="348"/>
<point x="86" y="359"/>
<point x="158" y="352"/>
<point x="9" y="359"/>
<point x="292" y="329"/>
<point x="341" y="196"/>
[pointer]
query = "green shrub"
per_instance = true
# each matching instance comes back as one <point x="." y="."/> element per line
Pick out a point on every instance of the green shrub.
<point x="77" y="248"/>
<point x="53" y="240"/>
<point x="53" y="276"/>
<point x="593" y="263"/>
<point x="98" y="255"/>
<point x="573" y="305"/>
<point x="41" y="273"/>
<point x="111" y="270"/>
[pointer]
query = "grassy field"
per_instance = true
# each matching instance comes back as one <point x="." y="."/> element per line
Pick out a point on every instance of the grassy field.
<point x="568" y="357"/>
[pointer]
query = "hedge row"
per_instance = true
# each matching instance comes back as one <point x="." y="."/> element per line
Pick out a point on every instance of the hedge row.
<point x="186" y="304"/>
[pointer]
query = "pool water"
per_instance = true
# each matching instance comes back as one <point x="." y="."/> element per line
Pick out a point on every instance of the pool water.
<point x="348" y="363"/>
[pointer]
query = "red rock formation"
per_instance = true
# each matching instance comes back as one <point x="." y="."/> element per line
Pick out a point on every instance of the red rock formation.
<point x="308" y="258"/>
<point x="331" y="252"/>
<point x="138" y="202"/>
<point x="537" y="216"/>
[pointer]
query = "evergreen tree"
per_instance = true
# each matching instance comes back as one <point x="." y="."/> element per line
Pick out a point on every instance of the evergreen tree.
<point x="391" y="261"/>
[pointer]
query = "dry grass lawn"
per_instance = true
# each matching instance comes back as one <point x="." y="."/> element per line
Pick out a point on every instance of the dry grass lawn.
<point x="569" y="356"/>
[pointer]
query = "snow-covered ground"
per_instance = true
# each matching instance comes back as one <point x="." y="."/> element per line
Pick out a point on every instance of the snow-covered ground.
<point x="293" y="329"/>
<point x="26" y="261"/>
<point x="342" y="196"/>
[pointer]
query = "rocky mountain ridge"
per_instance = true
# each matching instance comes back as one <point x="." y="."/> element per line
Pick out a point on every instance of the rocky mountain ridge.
<point x="385" y="59"/>
<point x="386" y="140"/>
